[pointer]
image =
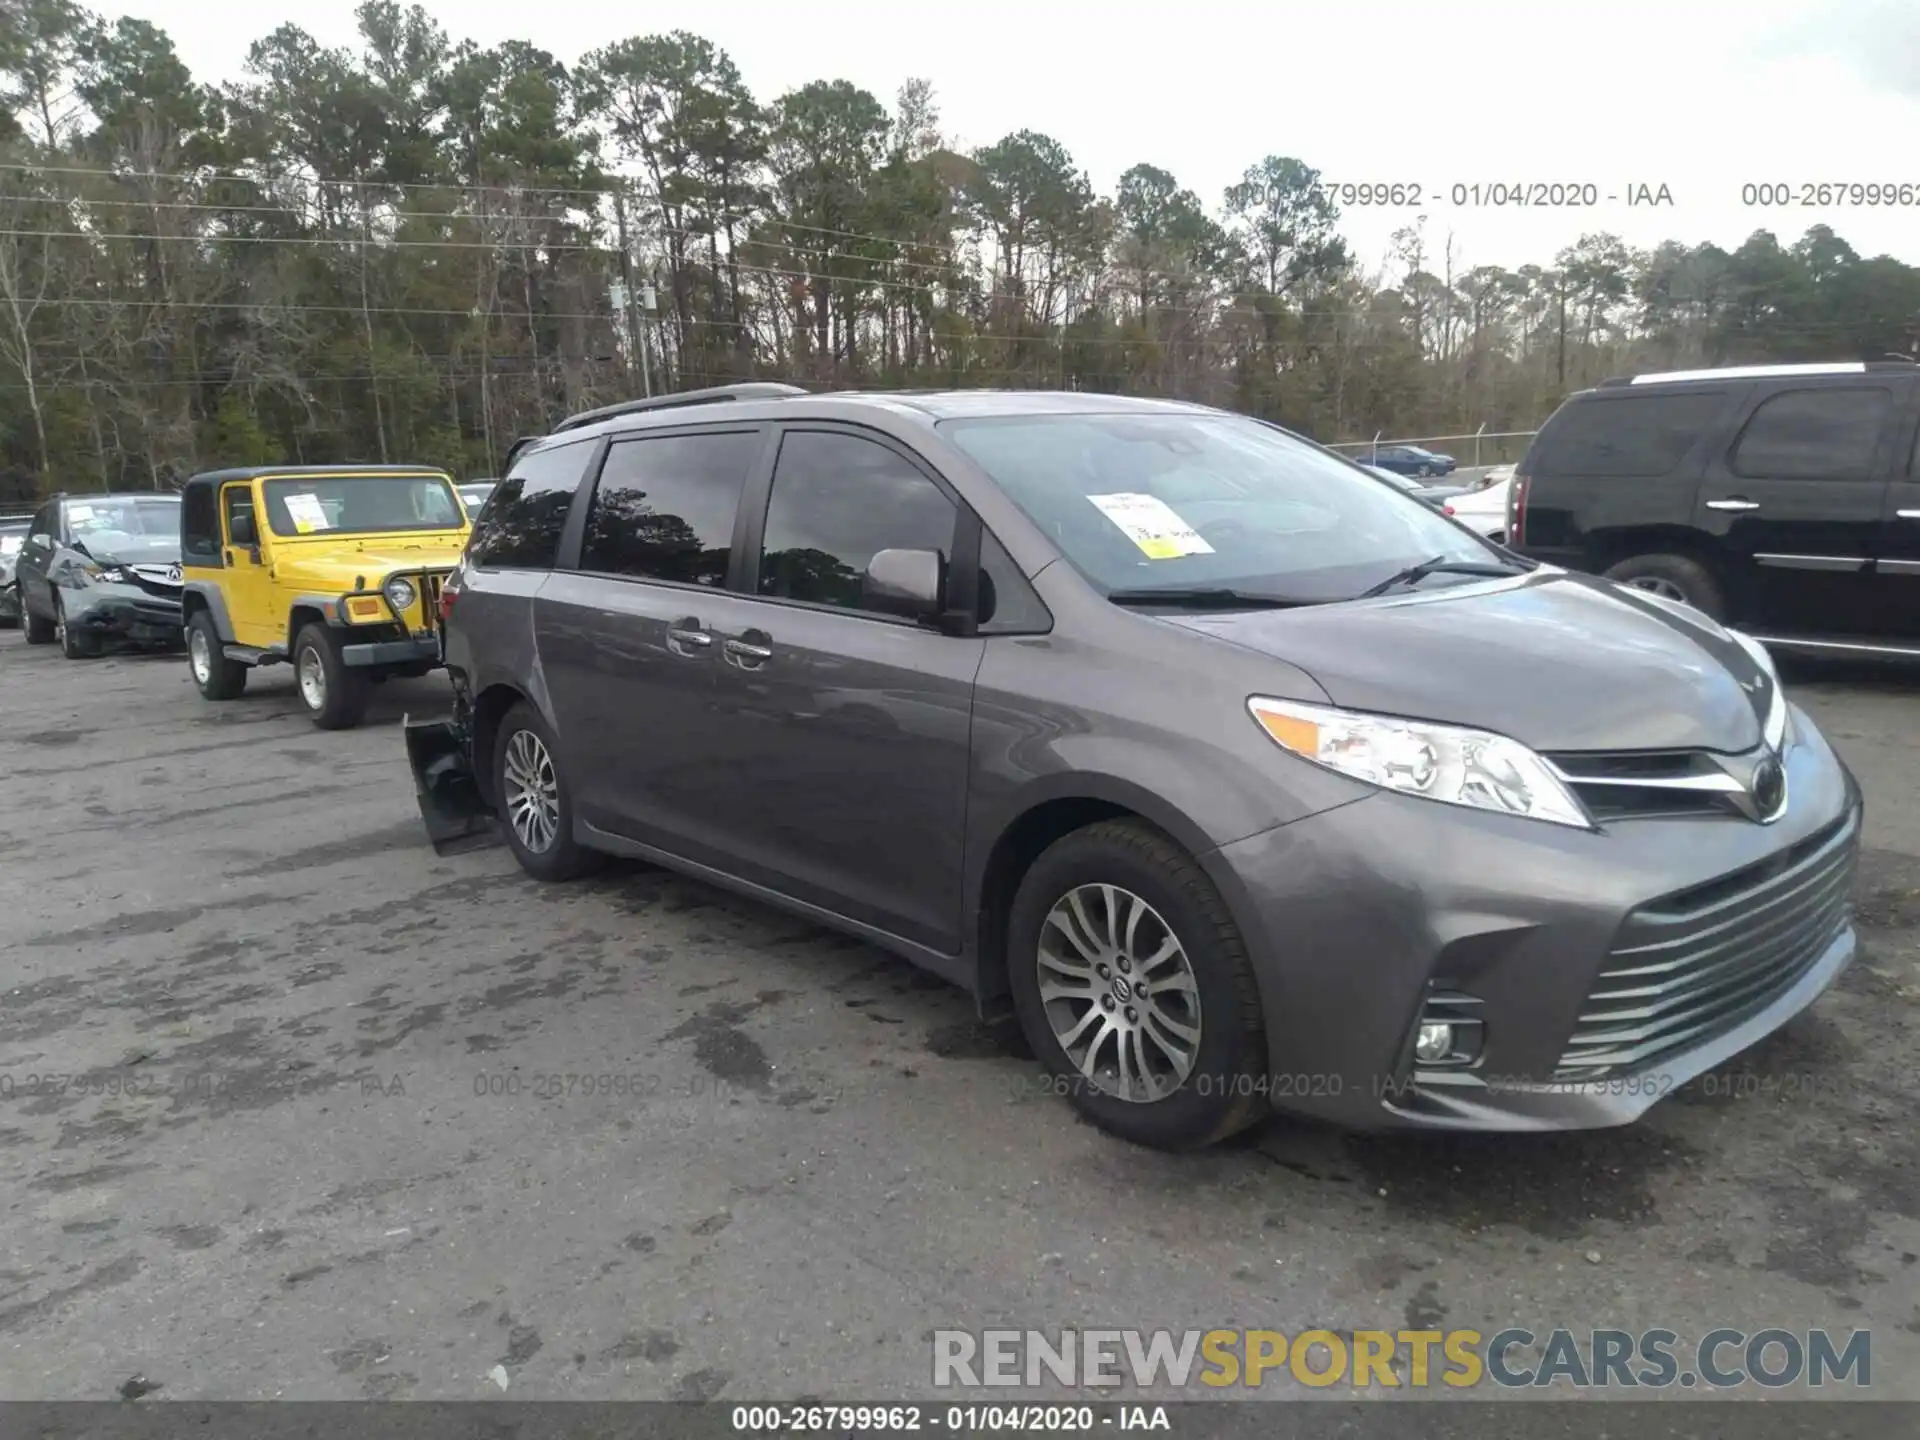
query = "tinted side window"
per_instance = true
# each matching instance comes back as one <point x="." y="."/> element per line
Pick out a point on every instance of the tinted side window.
<point x="199" y="526"/>
<point x="521" y="527"/>
<point x="665" y="507"/>
<point x="1008" y="605"/>
<point x="1633" y="437"/>
<point x="836" y="500"/>
<point x="1824" y="434"/>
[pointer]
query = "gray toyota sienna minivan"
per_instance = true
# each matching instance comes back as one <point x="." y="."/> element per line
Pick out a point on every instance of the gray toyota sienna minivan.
<point x="1246" y="780"/>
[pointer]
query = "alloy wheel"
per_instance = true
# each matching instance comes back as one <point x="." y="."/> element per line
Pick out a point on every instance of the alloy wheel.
<point x="1119" y="993"/>
<point x="1659" y="585"/>
<point x="532" y="792"/>
<point x="199" y="656"/>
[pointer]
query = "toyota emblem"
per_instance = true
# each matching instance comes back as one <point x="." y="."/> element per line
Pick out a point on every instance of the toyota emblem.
<point x="1769" y="788"/>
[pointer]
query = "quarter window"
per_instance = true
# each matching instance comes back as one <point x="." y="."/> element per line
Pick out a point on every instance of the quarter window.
<point x="521" y="529"/>
<point x="1824" y="434"/>
<point x="665" y="506"/>
<point x="837" y="500"/>
<point x="1626" y="437"/>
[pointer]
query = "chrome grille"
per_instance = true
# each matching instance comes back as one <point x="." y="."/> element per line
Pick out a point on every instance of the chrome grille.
<point x="1643" y="784"/>
<point x="1694" y="965"/>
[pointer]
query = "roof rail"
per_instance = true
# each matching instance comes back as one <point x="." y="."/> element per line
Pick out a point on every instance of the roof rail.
<point x="752" y="390"/>
<point x="1761" y="372"/>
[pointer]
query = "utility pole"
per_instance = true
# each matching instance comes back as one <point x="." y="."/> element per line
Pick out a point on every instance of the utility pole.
<point x="635" y="341"/>
<point x="646" y="311"/>
<point x="1563" y="331"/>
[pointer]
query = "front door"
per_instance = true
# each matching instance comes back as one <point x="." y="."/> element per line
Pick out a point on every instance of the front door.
<point x="846" y="735"/>
<point x="1797" y="500"/>
<point x="248" y="588"/>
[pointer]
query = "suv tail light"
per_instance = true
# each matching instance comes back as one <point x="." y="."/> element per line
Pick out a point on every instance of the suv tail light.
<point x="449" y="592"/>
<point x="1446" y="509"/>
<point x="1517" y="512"/>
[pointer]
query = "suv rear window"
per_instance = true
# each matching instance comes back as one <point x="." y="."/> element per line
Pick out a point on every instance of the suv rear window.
<point x="1632" y="437"/>
<point x="520" y="528"/>
<point x="1813" y="434"/>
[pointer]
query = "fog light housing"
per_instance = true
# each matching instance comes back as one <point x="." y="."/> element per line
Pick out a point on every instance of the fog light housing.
<point x="1434" y="1041"/>
<point x="400" y="594"/>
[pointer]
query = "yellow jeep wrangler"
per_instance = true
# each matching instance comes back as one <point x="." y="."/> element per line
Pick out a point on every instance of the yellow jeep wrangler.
<point x="334" y="569"/>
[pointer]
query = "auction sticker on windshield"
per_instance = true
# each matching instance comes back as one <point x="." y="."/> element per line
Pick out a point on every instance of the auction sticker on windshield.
<point x="1150" y="523"/>
<point x="307" y="514"/>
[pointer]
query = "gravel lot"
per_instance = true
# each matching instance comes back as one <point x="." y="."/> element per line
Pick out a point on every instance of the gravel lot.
<point x="334" y="1178"/>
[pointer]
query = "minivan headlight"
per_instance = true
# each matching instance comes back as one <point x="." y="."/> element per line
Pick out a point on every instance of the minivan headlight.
<point x="1475" y="768"/>
<point x="1778" y="729"/>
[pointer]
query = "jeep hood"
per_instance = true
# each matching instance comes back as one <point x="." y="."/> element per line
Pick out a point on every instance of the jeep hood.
<point x="338" y="562"/>
<point x="1560" y="662"/>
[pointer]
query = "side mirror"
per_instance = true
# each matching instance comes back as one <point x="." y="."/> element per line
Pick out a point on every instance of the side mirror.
<point x="240" y="530"/>
<point x="909" y="583"/>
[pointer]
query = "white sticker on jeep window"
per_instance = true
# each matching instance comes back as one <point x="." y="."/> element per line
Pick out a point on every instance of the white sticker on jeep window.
<point x="1150" y="523"/>
<point x="308" y="514"/>
<point x="80" y="512"/>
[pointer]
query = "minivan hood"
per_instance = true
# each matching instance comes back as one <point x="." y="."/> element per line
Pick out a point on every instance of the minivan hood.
<point x="1558" y="661"/>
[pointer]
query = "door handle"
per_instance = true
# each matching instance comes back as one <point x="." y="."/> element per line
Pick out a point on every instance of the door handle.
<point x="1734" y="504"/>
<point x="686" y="637"/>
<point x="743" y="651"/>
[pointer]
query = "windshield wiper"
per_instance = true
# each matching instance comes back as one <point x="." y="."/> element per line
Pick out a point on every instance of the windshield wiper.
<point x="1441" y="565"/>
<point x="1205" y="595"/>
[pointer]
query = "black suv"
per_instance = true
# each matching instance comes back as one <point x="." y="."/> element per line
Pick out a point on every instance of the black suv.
<point x="1782" y="498"/>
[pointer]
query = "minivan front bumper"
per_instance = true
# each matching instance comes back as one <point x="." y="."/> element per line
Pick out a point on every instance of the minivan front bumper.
<point x="1603" y="969"/>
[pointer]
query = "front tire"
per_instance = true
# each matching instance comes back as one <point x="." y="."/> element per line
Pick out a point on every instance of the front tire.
<point x="73" y="644"/>
<point x="1674" y="577"/>
<point x="334" y="693"/>
<point x="217" y="677"/>
<point x="1133" y="986"/>
<point x="535" y="802"/>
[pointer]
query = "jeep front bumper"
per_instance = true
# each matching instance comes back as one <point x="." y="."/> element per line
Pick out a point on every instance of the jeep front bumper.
<point x="415" y="650"/>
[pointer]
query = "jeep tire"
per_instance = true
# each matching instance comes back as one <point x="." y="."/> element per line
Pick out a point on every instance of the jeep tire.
<point x="334" y="693"/>
<point x="217" y="677"/>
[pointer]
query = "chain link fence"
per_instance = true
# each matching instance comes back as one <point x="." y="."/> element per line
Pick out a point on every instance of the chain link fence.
<point x="1478" y="450"/>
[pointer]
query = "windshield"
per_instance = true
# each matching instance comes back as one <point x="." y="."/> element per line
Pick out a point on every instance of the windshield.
<point x="362" y="504"/>
<point x="11" y="538"/>
<point x="125" y="528"/>
<point x="1178" y="501"/>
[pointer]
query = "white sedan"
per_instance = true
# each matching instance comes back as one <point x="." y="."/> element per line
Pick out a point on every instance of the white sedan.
<point x="1485" y="509"/>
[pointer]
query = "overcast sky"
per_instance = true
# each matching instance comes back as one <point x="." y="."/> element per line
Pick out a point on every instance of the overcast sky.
<point x="1699" y="96"/>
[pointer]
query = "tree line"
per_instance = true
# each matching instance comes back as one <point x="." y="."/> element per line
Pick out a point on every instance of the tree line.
<point x="419" y="249"/>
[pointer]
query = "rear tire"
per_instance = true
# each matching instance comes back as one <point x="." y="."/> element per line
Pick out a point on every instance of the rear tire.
<point x="39" y="630"/>
<point x="217" y="677"/>
<point x="1675" y="577"/>
<point x="534" y="801"/>
<point x="1179" y="1073"/>
<point x="334" y="693"/>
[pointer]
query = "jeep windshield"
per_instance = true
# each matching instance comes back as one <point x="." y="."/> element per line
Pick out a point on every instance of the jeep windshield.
<point x="119" y="527"/>
<point x="361" y="504"/>
<point x="1194" y="503"/>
